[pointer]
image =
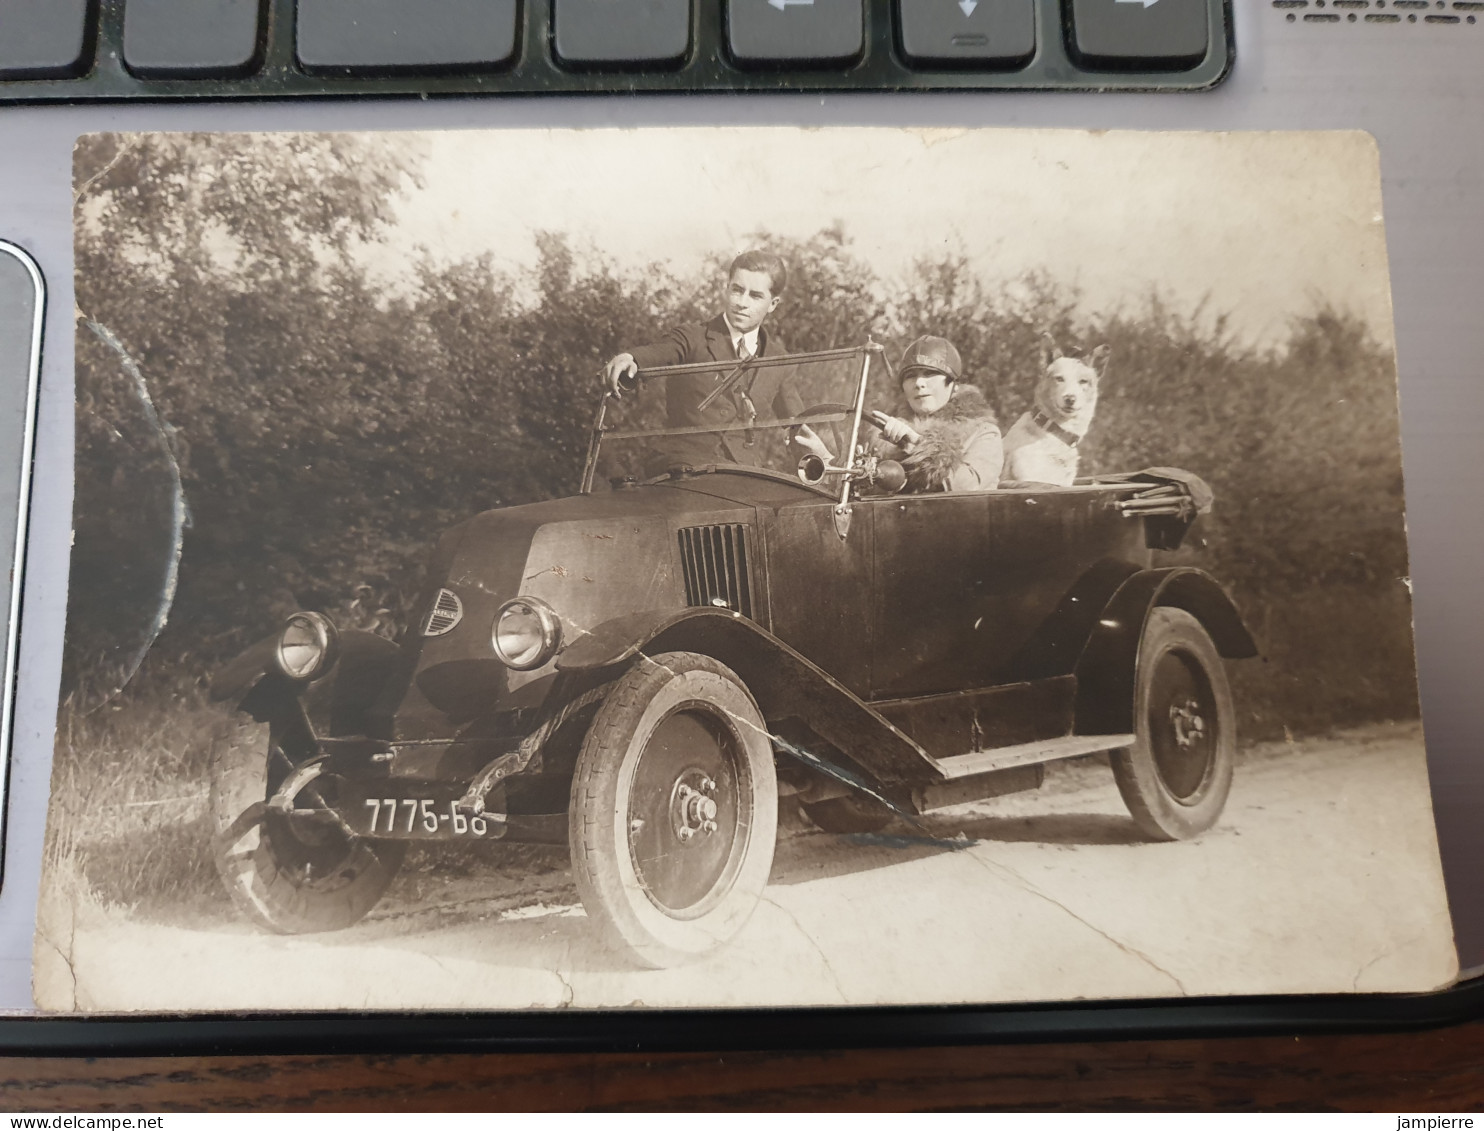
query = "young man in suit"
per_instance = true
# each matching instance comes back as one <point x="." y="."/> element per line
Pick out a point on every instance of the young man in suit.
<point x="754" y="288"/>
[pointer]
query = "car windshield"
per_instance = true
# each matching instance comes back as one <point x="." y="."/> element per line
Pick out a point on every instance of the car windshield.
<point x="731" y="413"/>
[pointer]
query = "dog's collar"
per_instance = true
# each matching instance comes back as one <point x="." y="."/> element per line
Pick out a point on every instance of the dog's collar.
<point x="1070" y="439"/>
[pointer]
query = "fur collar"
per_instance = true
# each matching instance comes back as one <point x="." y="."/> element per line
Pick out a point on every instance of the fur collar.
<point x="945" y="435"/>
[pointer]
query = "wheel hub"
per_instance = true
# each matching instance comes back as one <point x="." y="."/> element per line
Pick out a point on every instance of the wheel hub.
<point x="1189" y="727"/>
<point x="693" y="806"/>
<point x="685" y="830"/>
<point x="1183" y="725"/>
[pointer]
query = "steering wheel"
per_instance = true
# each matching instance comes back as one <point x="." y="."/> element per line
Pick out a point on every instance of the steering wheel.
<point x="838" y="433"/>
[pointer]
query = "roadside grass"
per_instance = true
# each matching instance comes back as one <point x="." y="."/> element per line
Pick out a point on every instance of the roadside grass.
<point x="68" y="900"/>
<point x="1333" y="658"/>
<point x="129" y="803"/>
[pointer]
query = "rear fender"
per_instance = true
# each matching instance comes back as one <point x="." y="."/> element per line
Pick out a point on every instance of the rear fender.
<point x="784" y="683"/>
<point x="1105" y="670"/>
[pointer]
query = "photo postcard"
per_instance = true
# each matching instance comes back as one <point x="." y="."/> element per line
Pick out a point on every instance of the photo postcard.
<point x="734" y="567"/>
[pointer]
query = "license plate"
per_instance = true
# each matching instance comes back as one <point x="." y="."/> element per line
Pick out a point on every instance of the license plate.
<point x="419" y="816"/>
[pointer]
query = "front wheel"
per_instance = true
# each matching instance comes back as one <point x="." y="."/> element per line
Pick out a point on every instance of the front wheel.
<point x="1176" y="777"/>
<point x="290" y="876"/>
<point x="674" y="809"/>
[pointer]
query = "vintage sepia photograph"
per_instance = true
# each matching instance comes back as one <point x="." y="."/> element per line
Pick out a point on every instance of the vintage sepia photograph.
<point x="734" y="567"/>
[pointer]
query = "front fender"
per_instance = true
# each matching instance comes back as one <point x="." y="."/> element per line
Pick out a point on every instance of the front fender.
<point x="621" y="638"/>
<point x="237" y="677"/>
<point x="339" y="699"/>
<point x="785" y="684"/>
<point x="1106" y="669"/>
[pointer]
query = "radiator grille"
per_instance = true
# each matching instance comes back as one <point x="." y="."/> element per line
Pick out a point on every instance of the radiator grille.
<point x="448" y="610"/>
<point x="714" y="559"/>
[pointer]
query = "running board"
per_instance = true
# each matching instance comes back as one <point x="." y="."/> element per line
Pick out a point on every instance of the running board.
<point x="1030" y="753"/>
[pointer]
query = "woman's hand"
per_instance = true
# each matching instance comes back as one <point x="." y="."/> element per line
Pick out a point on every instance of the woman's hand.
<point x="895" y="429"/>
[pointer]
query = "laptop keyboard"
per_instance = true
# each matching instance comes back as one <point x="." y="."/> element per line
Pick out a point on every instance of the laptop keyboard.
<point x="71" y="50"/>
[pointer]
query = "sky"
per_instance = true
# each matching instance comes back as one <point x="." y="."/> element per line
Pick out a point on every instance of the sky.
<point x="1263" y="226"/>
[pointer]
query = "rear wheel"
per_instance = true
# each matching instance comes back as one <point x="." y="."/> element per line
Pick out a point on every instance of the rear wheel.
<point x="289" y="875"/>
<point x="1176" y="777"/>
<point x="674" y="809"/>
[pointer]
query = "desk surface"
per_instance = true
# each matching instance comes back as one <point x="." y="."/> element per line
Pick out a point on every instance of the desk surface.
<point x="1439" y="1070"/>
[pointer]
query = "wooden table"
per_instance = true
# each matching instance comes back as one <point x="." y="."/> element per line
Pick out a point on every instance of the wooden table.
<point x="1438" y="1070"/>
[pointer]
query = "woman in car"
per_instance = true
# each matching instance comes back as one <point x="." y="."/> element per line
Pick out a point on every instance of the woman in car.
<point x="944" y="431"/>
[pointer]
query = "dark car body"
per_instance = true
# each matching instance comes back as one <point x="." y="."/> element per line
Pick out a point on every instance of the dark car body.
<point x="905" y="651"/>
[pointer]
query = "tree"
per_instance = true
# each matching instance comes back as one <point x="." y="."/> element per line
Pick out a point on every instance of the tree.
<point x="213" y="278"/>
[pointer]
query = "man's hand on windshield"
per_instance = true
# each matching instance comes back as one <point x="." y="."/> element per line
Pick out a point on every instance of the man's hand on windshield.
<point x="619" y="369"/>
<point x="897" y="430"/>
<point x="806" y="438"/>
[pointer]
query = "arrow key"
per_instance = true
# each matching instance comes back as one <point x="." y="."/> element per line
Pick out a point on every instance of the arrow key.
<point x="1155" y="35"/>
<point x="968" y="33"/>
<point x="795" y="32"/>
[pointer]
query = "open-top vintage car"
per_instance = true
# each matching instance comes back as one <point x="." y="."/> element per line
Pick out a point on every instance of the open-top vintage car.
<point x="641" y="671"/>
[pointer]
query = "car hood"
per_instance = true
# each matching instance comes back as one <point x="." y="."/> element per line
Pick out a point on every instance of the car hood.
<point x="592" y="558"/>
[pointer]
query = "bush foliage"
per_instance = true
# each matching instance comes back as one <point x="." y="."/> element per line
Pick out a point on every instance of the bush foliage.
<point x="325" y="424"/>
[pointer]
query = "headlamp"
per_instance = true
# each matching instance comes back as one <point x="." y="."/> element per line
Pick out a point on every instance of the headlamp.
<point x="308" y="646"/>
<point x="526" y="633"/>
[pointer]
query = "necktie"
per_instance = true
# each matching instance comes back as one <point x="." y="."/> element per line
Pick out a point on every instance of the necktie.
<point x="749" y="410"/>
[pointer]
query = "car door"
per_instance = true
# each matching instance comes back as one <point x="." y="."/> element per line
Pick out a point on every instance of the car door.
<point x="820" y="587"/>
<point x="964" y="582"/>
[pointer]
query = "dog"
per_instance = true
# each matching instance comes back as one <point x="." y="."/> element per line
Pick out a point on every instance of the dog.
<point x="1041" y="447"/>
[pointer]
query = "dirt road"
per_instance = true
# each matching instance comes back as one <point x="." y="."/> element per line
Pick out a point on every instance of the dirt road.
<point x="1321" y="876"/>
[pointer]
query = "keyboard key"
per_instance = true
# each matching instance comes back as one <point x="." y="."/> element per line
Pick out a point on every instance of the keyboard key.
<point x="795" y="31"/>
<point x="968" y="33"/>
<point x="191" y="37"/>
<point x="43" y="38"/>
<point x="1143" y="34"/>
<point x="373" y="35"/>
<point x="621" y="31"/>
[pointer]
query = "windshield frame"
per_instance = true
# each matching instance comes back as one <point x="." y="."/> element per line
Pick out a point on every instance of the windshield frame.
<point x="735" y="370"/>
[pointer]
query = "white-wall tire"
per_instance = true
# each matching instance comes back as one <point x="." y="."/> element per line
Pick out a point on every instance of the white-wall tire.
<point x="656" y="881"/>
<point x="1176" y="777"/>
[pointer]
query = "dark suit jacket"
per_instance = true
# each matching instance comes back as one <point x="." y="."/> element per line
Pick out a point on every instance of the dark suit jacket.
<point x="771" y="390"/>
